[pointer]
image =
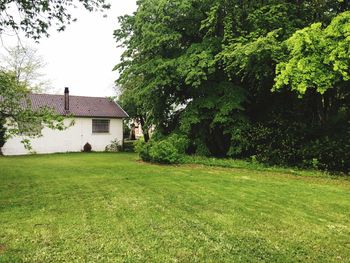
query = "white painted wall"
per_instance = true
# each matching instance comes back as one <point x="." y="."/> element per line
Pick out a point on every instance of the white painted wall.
<point x="71" y="140"/>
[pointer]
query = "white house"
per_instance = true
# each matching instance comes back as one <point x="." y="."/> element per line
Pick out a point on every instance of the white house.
<point x="97" y="121"/>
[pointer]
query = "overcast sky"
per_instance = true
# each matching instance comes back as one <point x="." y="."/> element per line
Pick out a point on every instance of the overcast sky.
<point x="83" y="56"/>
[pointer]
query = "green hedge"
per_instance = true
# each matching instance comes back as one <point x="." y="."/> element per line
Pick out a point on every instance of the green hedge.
<point x="168" y="150"/>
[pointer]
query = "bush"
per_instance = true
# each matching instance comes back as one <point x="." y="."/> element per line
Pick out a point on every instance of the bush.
<point x="201" y="149"/>
<point x="115" y="146"/>
<point x="143" y="149"/>
<point x="291" y="143"/>
<point x="87" y="147"/>
<point x="180" y="142"/>
<point x="331" y="154"/>
<point x="129" y="146"/>
<point x="277" y="142"/>
<point x="163" y="151"/>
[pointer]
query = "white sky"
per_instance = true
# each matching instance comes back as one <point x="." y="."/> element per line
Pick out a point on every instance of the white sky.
<point x="82" y="57"/>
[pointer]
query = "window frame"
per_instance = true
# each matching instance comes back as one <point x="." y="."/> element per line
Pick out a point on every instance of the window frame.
<point x="95" y="131"/>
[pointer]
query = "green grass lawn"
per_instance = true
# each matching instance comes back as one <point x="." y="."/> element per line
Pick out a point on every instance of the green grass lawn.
<point x="111" y="207"/>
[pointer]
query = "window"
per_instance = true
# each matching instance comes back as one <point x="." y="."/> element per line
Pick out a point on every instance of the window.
<point x="100" y="126"/>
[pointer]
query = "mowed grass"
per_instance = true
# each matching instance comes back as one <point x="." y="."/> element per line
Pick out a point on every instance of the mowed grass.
<point x="112" y="208"/>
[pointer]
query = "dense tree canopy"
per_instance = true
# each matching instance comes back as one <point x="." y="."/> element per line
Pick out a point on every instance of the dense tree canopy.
<point x="317" y="57"/>
<point x="262" y="79"/>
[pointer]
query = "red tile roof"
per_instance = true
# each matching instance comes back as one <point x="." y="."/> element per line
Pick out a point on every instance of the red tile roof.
<point x="79" y="106"/>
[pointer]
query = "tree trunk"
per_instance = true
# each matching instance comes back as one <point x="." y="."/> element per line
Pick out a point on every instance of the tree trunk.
<point x="146" y="136"/>
<point x="132" y="133"/>
<point x="144" y="129"/>
<point x="2" y="133"/>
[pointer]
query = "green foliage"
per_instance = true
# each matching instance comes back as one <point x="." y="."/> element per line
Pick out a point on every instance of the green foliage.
<point x="201" y="148"/>
<point x="143" y="149"/>
<point x="35" y="18"/>
<point x="213" y="114"/>
<point x="2" y="132"/>
<point x="252" y="165"/>
<point x="239" y="142"/>
<point x="114" y="146"/>
<point x="330" y="154"/>
<point x="206" y="70"/>
<point x="129" y="146"/>
<point x="277" y="142"/>
<point x="180" y="142"/>
<point x="166" y="151"/>
<point x="286" y="143"/>
<point x="252" y="58"/>
<point x="317" y="58"/>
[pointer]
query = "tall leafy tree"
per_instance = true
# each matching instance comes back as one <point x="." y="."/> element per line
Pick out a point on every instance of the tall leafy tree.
<point x="206" y="70"/>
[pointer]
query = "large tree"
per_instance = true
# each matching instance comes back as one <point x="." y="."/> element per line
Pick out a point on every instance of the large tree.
<point x="205" y="69"/>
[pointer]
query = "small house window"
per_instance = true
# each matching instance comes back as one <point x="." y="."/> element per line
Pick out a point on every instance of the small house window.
<point x="100" y="126"/>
